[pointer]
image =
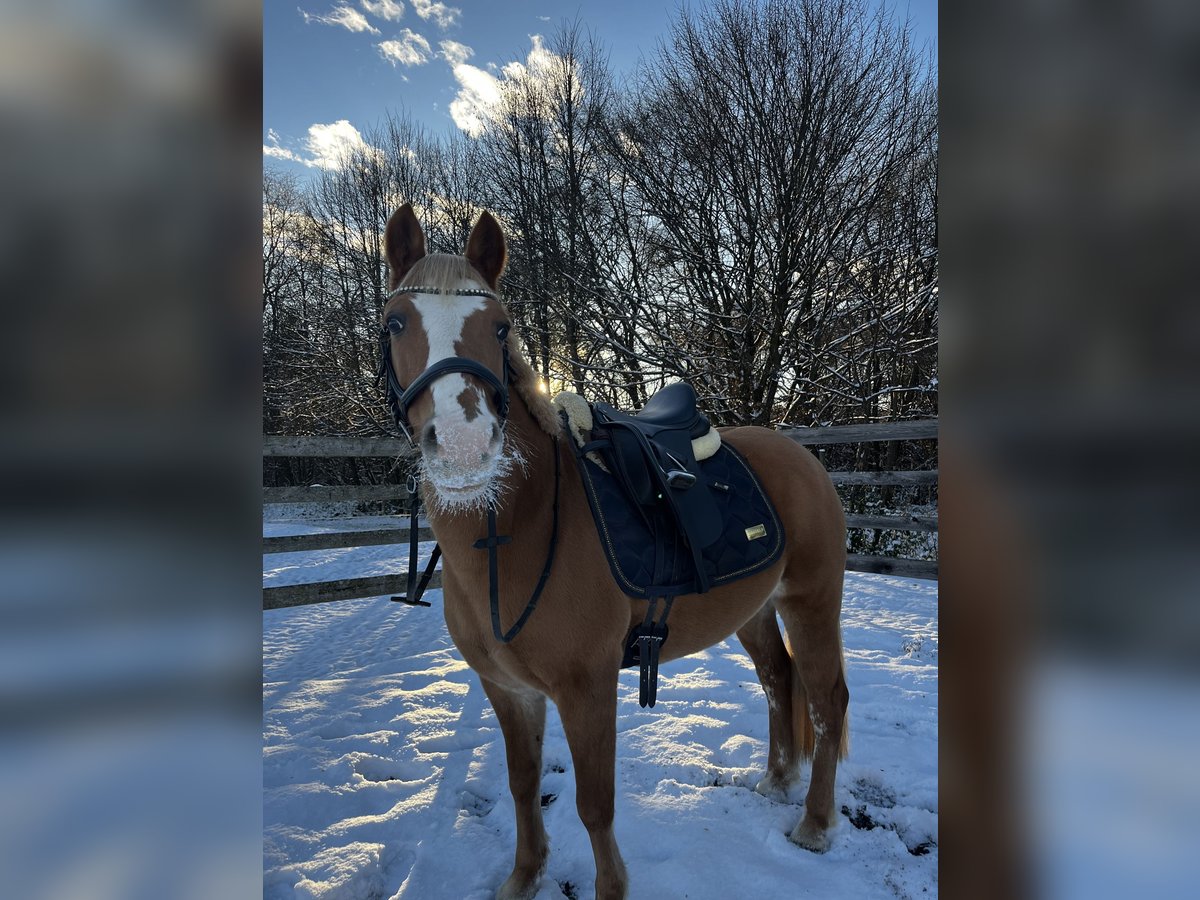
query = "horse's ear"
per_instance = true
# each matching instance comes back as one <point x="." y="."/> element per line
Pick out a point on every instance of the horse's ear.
<point x="404" y="241"/>
<point x="486" y="250"/>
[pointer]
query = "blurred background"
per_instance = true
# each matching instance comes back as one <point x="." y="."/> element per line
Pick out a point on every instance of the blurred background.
<point x="1070" y="374"/>
<point x="129" y="599"/>
<point x="130" y="605"/>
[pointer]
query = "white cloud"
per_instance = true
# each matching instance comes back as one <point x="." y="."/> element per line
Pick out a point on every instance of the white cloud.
<point x="478" y="97"/>
<point x="327" y="146"/>
<point x="331" y="146"/>
<point x="538" y="65"/>
<point x="384" y="9"/>
<point x="410" y="50"/>
<point x="277" y="152"/>
<point x="444" y="15"/>
<point x="480" y="92"/>
<point x="350" y="19"/>
<point x="455" y="53"/>
<point x="543" y="18"/>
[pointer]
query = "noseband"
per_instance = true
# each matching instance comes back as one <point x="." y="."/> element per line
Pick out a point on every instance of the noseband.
<point x="400" y="398"/>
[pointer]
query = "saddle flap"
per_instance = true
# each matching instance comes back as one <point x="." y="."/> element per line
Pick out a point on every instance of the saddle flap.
<point x="627" y="460"/>
<point x="661" y="470"/>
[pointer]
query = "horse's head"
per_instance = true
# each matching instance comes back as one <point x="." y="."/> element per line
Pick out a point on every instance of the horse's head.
<point x="444" y="345"/>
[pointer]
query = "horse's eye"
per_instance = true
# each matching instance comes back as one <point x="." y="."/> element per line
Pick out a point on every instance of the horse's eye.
<point x="395" y="325"/>
<point x="502" y="331"/>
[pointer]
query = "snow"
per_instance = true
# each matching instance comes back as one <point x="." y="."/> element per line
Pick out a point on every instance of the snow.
<point x="384" y="773"/>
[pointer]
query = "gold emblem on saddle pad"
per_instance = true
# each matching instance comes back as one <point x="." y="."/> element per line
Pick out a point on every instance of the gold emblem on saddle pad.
<point x="754" y="532"/>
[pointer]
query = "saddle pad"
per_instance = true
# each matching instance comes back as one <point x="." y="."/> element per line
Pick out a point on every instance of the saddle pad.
<point x="644" y="550"/>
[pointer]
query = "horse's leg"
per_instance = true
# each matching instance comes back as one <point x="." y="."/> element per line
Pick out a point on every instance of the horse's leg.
<point x="589" y="715"/>
<point x="813" y="626"/>
<point x="522" y="719"/>
<point x="762" y="640"/>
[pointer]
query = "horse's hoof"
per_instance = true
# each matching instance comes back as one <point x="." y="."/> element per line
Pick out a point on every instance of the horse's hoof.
<point x="520" y="886"/>
<point x="810" y="836"/>
<point x="521" y="890"/>
<point x="774" y="788"/>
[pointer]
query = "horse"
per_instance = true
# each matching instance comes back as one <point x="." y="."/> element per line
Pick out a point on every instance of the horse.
<point x="491" y="445"/>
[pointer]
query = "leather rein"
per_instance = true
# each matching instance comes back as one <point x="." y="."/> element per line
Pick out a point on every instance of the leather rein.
<point x="399" y="399"/>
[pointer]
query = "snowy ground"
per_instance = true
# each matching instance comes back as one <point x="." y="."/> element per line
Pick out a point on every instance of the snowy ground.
<point x="384" y="772"/>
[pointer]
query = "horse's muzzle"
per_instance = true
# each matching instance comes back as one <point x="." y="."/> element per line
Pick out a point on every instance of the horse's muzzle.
<point x="461" y="456"/>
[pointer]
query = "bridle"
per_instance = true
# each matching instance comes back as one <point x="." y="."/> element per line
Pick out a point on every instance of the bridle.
<point x="400" y="398"/>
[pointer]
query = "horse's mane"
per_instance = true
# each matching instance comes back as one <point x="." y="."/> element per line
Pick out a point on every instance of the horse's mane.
<point x="525" y="383"/>
<point x="446" y="271"/>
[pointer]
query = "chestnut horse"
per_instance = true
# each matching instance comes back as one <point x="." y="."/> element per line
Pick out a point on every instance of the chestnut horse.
<point x="488" y="437"/>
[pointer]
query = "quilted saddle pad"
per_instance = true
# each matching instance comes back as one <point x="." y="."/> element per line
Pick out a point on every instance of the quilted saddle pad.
<point x="645" y="552"/>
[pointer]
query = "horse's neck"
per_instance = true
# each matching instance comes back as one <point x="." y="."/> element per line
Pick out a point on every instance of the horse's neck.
<point x="527" y="494"/>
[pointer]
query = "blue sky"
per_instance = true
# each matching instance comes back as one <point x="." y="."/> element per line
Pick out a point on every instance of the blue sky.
<point x="332" y="68"/>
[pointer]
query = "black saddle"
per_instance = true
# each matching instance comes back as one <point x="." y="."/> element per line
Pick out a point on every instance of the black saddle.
<point x="650" y="453"/>
<point x="674" y="407"/>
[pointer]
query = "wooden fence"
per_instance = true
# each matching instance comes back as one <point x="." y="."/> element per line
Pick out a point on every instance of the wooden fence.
<point x="349" y="588"/>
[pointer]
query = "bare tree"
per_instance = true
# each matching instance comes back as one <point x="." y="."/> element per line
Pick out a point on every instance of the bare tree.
<point x="764" y="140"/>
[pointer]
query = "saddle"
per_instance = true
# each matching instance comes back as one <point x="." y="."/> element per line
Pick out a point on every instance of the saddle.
<point x="677" y="511"/>
<point x="650" y="453"/>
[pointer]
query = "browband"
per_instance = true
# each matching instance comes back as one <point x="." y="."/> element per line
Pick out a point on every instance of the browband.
<point x="429" y="289"/>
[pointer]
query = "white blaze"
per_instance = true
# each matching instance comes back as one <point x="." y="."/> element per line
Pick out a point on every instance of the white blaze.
<point x="463" y="447"/>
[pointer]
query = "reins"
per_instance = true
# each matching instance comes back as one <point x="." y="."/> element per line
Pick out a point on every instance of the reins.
<point x="412" y="596"/>
<point x="492" y="542"/>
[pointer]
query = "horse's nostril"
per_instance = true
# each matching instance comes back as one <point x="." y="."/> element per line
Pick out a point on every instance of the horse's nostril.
<point x="429" y="438"/>
<point x="495" y="432"/>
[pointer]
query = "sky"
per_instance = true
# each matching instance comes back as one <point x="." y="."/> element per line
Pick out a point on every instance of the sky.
<point x="334" y="68"/>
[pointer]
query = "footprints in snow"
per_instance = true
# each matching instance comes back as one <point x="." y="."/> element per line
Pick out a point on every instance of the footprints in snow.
<point x="873" y="791"/>
<point x="921" y="647"/>
<point x="479" y="806"/>
<point x="863" y="821"/>
<point x="549" y="771"/>
<point x="906" y="822"/>
<point x="475" y="805"/>
<point x="379" y="770"/>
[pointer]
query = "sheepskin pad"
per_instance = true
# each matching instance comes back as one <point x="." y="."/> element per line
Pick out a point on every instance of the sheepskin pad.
<point x="579" y="422"/>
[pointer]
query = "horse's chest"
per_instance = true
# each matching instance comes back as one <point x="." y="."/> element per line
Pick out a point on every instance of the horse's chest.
<point x="471" y="631"/>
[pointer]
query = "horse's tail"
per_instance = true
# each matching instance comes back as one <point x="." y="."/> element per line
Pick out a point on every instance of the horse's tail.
<point x="802" y="725"/>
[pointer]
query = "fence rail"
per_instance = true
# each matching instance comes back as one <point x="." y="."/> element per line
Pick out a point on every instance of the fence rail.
<point x="922" y="429"/>
<point x="909" y="479"/>
<point x="893" y="523"/>
<point x="343" y="589"/>
<point x="350" y="588"/>
<point x="892" y="565"/>
<point x="336" y="540"/>
<point x="321" y="493"/>
<point x="316" y="445"/>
